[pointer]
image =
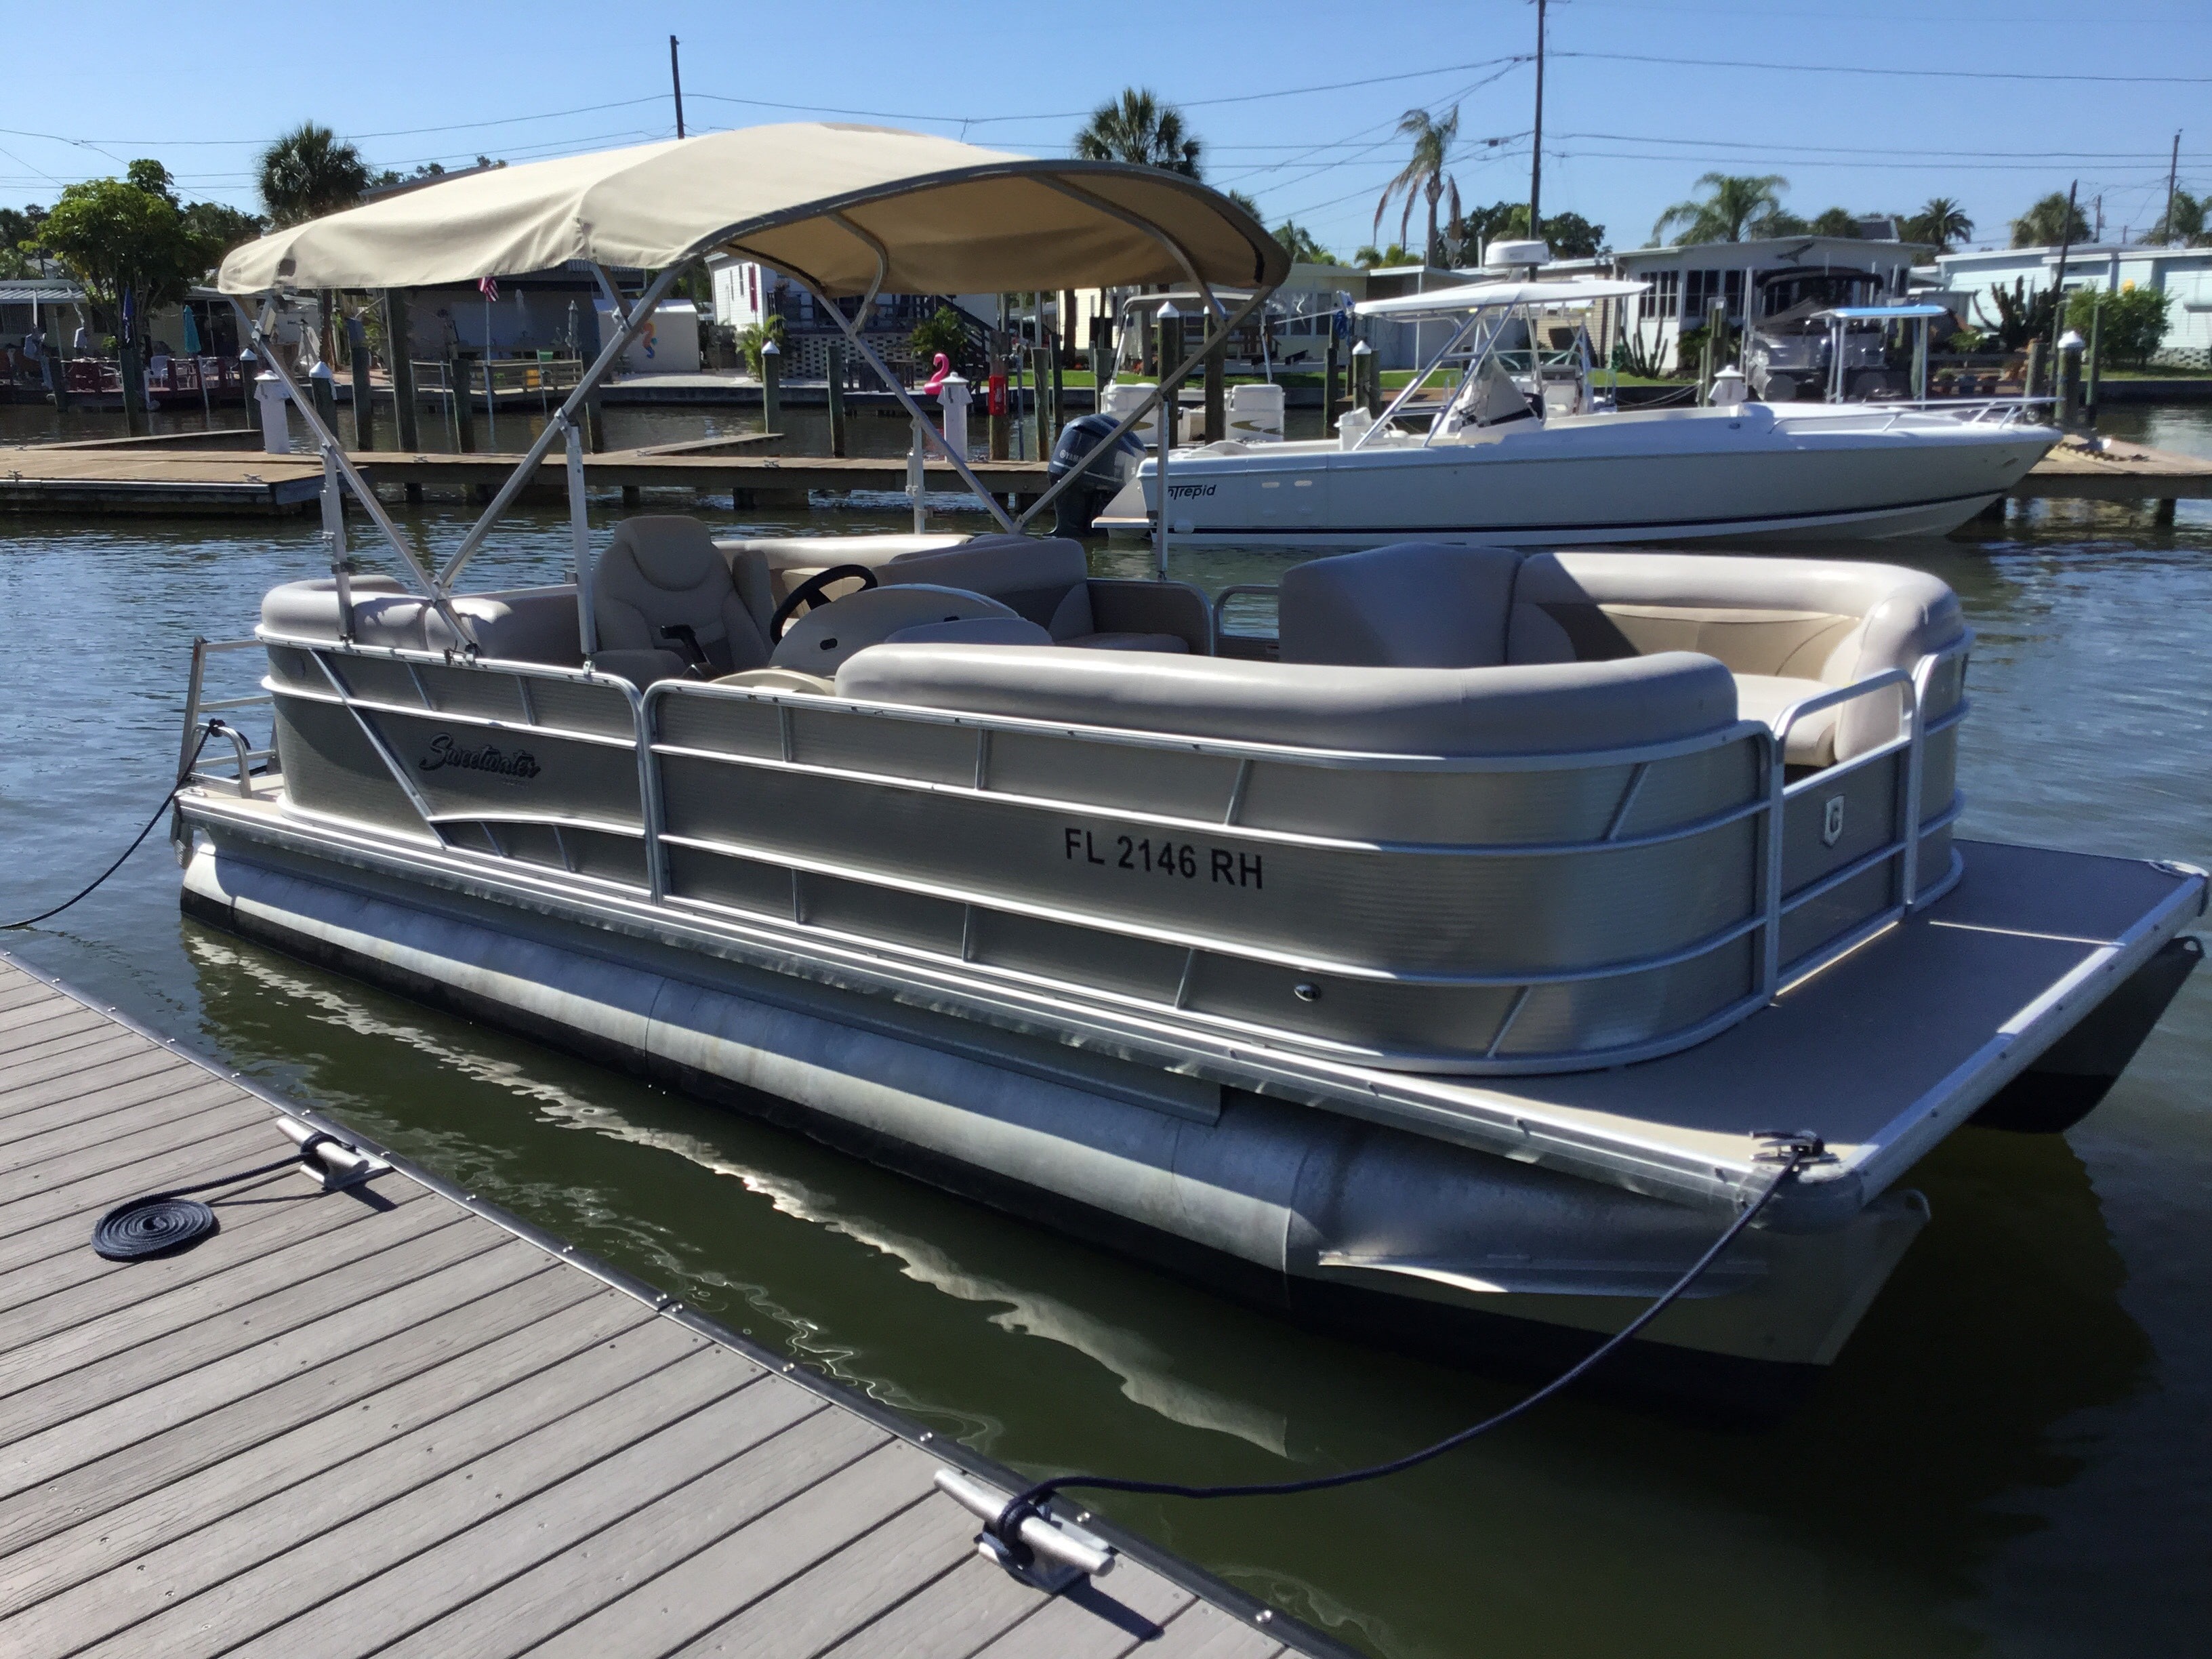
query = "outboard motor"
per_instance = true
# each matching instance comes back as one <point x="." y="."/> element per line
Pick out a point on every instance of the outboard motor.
<point x="1075" y="511"/>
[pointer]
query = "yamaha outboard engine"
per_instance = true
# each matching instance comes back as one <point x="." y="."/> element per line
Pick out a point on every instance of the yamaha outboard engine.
<point x="1075" y="511"/>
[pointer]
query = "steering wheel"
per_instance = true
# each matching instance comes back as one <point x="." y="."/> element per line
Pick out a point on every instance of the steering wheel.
<point x="809" y="595"/>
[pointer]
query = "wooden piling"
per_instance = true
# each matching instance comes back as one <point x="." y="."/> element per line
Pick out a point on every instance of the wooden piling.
<point x="57" y="378"/>
<point x="2094" y="368"/>
<point x="771" y="364"/>
<point x="1059" y="405"/>
<point x="996" y="395"/>
<point x="2032" y="377"/>
<point x="460" y="369"/>
<point x="399" y="358"/>
<point x="134" y="388"/>
<point x="1329" y="383"/>
<point x="364" y="395"/>
<point x="834" y="368"/>
<point x="323" y="389"/>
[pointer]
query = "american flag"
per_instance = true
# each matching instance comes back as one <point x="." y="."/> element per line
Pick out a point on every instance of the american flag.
<point x="488" y="286"/>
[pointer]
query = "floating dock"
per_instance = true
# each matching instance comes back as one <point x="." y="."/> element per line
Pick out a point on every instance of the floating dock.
<point x="391" y="1419"/>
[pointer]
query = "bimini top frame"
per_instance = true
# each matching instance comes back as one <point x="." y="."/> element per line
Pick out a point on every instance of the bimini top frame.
<point x="844" y="211"/>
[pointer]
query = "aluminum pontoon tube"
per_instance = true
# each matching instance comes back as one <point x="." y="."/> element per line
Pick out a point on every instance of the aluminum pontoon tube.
<point x="1306" y="1197"/>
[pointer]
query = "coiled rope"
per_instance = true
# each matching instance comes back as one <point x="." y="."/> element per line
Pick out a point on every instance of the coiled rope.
<point x="183" y="772"/>
<point x="1788" y="1152"/>
<point x="162" y="1223"/>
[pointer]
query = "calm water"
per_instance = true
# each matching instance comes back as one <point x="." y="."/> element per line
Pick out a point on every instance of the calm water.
<point x="2011" y="1458"/>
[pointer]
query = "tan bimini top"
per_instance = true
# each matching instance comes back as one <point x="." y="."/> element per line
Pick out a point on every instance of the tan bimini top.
<point x="951" y="218"/>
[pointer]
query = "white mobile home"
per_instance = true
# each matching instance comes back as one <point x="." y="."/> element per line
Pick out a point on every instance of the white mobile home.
<point x="2184" y="274"/>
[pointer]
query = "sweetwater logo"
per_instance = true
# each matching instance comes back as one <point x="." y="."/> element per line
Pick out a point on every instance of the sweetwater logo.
<point x="444" y="752"/>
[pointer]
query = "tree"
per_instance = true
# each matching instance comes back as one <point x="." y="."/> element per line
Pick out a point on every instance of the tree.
<point x="1941" y="223"/>
<point x="1734" y="204"/>
<point x="1302" y="245"/>
<point x="1424" y="176"/>
<point x="1569" y="235"/>
<point x="2188" y="227"/>
<point x="122" y="242"/>
<point x="19" y="239"/>
<point x="1138" y="128"/>
<point x="2023" y="314"/>
<point x="1835" y="221"/>
<point x="2050" y="223"/>
<point x="221" y="227"/>
<point x="309" y="172"/>
<point x="1370" y="256"/>
<point x="2133" y="323"/>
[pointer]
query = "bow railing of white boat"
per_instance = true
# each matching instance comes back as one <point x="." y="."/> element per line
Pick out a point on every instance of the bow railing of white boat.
<point x="1148" y="876"/>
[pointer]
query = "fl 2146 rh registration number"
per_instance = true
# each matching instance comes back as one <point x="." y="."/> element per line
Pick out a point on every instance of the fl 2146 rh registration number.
<point x="1181" y="860"/>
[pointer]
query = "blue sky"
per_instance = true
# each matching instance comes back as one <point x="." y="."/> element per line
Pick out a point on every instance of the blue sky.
<point x="1623" y="137"/>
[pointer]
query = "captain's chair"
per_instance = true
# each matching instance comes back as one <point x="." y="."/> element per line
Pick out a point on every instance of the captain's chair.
<point x="668" y="606"/>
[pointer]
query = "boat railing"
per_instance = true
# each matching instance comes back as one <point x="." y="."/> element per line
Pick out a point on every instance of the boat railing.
<point x="199" y="706"/>
<point x="752" y="807"/>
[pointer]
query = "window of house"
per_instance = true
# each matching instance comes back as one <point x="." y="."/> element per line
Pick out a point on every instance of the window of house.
<point x="1659" y="300"/>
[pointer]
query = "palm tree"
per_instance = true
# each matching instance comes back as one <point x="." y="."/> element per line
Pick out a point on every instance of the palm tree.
<point x="308" y="173"/>
<point x="1370" y="257"/>
<point x="1138" y="128"/>
<point x="2050" y="223"/>
<point x="1425" y="176"/>
<point x="1941" y="223"/>
<point x="1735" y="203"/>
<point x="2188" y="227"/>
<point x="1302" y="245"/>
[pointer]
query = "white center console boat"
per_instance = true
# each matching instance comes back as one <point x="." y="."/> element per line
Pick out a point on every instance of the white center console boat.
<point x="1443" y="961"/>
<point x="1522" y="451"/>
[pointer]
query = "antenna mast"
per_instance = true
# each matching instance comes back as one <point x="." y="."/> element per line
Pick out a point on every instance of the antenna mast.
<point x="676" y="80"/>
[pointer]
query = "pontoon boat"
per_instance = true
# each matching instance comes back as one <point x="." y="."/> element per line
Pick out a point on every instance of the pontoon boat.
<point x="1444" y="958"/>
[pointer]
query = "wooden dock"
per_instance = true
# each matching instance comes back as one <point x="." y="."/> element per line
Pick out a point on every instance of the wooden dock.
<point x="393" y="1419"/>
<point x="142" y="478"/>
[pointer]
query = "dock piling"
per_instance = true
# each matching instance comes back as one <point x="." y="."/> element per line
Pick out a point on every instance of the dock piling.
<point x="834" y="366"/>
<point x="364" y="395"/>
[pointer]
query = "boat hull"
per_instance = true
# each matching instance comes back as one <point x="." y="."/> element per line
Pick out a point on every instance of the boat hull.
<point x="1350" y="1224"/>
<point x="1677" y="476"/>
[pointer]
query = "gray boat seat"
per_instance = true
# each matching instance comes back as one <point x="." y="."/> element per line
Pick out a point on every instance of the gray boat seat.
<point x="785" y="561"/>
<point x="1413" y="605"/>
<point x="1048" y="580"/>
<point x="668" y="605"/>
<point x="523" y="624"/>
<point x="820" y="642"/>
<point x="1547" y="708"/>
<point x="1787" y="629"/>
<point x="780" y="679"/>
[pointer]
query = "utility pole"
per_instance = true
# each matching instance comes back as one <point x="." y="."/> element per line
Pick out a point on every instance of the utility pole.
<point x="2173" y="168"/>
<point x="676" y="80"/>
<point x="1536" y="150"/>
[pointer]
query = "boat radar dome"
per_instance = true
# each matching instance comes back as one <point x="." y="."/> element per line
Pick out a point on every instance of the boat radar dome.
<point x="1500" y="256"/>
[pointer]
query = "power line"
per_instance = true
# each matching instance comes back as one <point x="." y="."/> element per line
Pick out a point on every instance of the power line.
<point x="1918" y="151"/>
<point x="1916" y="74"/>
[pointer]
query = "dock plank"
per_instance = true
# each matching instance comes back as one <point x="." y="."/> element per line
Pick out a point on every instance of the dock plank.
<point x="557" y="1592"/>
<point x="283" y="1605"/>
<point x="603" y="1334"/>
<point x="950" y="1618"/>
<point x="248" y="1418"/>
<point x="250" y="1297"/>
<point x="392" y="1420"/>
<point x="835" y="1597"/>
<point x="565" y="1498"/>
<point x="235" y="1362"/>
<point x="727" y="1576"/>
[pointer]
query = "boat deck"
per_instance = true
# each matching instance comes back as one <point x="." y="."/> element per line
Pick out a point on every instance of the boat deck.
<point x="391" y="1419"/>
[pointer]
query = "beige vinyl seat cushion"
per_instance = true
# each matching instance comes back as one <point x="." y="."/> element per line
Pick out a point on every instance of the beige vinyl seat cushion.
<point x="822" y="639"/>
<point x="668" y="605"/>
<point x="1544" y="709"/>
<point x="1046" y="580"/>
<point x="523" y="624"/>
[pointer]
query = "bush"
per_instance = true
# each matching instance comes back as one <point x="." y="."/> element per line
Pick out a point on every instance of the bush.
<point x="2134" y="321"/>
<point x="943" y="332"/>
<point x="753" y="336"/>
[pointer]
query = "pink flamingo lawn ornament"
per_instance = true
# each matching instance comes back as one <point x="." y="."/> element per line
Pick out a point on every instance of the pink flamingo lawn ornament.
<point x="942" y="365"/>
